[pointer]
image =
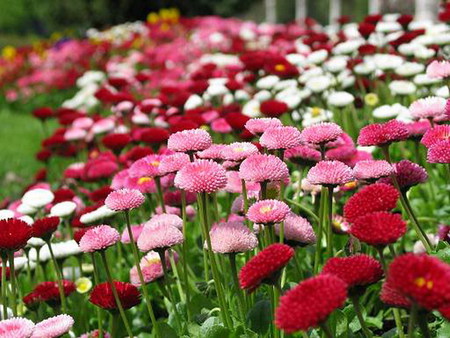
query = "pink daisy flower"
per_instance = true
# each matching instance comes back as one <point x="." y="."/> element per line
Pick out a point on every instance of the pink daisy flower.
<point x="381" y="134"/>
<point x="321" y="133"/>
<point x="151" y="268"/>
<point x="166" y="219"/>
<point x="136" y="231"/>
<point x="234" y="184"/>
<point x="53" y="327"/>
<point x="124" y="199"/>
<point x="303" y="155"/>
<point x="439" y="152"/>
<point x="119" y="180"/>
<point x="263" y="168"/>
<point x="372" y="169"/>
<point x="159" y="237"/>
<point x="99" y="238"/>
<point x="232" y="237"/>
<point x="418" y="129"/>
<point x="147" y="166"/>
<point x="268" y="212"/>
<point x="16" y="328"/>
<point x="239" y="151"/>
<point x="258" y="126"/>
<point x="435" y="135"/>
<point x="341" y="153"/>
<point x="360" y="155"/>
<point x="330" y="173"/>
<point x="428" y="108"/>
<point x="144" y="184"/>
<point x="408" y="174"/>
<point x="221" y="126"/>
<point x="438" y="69"/>
<point x="280" y="138"/>
<point x="173" y="163"/>
<point x="214" y="152"/>
<point x="297" y="231"/>
<point x="201" y="176"/>
<point x="189" y="140"/>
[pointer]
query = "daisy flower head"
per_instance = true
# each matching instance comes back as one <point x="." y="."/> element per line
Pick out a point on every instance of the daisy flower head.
<point x="189" y="141"/>
<point x="201" y="176"/>
<point x="99" y="238"/>
<point x="53" y="327"/>
<point x="268" y="212"/>
<point x="330" y="173"/>
<point x="124" y="199"/>
<point x="280" y="138"/>
<point x="383" y="134"/>
<point x="263" y="168"/>
<point x="232" y="237"/>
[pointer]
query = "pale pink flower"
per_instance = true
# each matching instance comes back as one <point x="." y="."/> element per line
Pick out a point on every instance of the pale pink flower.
<point x="321" y="133"/>
<point x="124" y="199"/>
<point x="189" y="140"/>
<point x="159" y="237"/>
<point x="151" y="268"/>
<point x="144" y="184"/>
<point x="297" y="230"/>
<point x="372" y="169"/>
<point x="201" y="176"/>
<point x="148" y="166"/>
<point x="239" y="151"/>
<point x="330" y="173"/>
<point x="99" y="238"/>
<point x="135" y="230"/>
<point x="166" y="219"/>
<point x="268" y="212"/>
<point x="431" y="107"/>
<point x="438" y="69"/>
<point x="281" y="138"/>
<point x="214" y="152"/>
<point x="53" y="327"/>
<point x="257" y="126"/>
<point x="75" y="134"/>
<point x="16" y="328"/>
<point x="234" y="184"/>
<point x="173" y="163"/>
<point x="263" y="168"/>
<point x="119" y="180"/>
<point x="232" y="237"/>
<point x="303" y="155"/>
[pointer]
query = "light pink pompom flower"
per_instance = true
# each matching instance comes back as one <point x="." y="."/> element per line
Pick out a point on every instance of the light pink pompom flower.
<point x="432" y="107"/>
<point x="303" y="155"/>
<point x="16" y="328"/>
<point x="173" y="163"/>
<point x="148" y="166"/>
<point x="189" y="141"/>
<point x="321" y="133"/>
<point x="214" y="152"/>
<point x="232" y="237"/>
<point x="372" y="169"/>
<point x="257" y="126"/>
<point x="297" y="230"/>
<point x="119" y="180"/>
<point x="166" y="219"/>
<point x="439" y="152"/>
<point x="144" y="184"/>
<point x="438" y="69"/>
<point x="151" y="268"/>
<point x="124" y="199"/>
<point x="159" y="237"/>
<point x="330" y="173"/>
<point x="136" y="231"/>
<point x="234" y="183"/>
<point x="239" y="151"/>
<point x="383" y="134"/>
<point x="263" y="168"/>
<point x="53" y="327"/>
<point x="268" y="212"/>
<point x="99" y="238"/>
<point x="201" y="176"/>
<point x="435" y="135"/>
<point x="280" y="138"/>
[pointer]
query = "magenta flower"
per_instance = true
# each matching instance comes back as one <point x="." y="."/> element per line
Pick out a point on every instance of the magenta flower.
<point x="201" y="176"/>
<point x="439" y="152"/>
<point x="297" y="231"/>
<point x="166" y="219"/>
<point x="268" y="212"/>
<point x="408" y="174"/>
<point x="124" y="199"/>
<point x="418" y="129"/>
<point x="147" y="166"/>
<point x="263" y="168"/>
<point x="280" y="138"/>
<point x="189" y="140"/>
<point x="258" y="126"/>
<point x="232" y="237"/>
<point x="382" y="134"/>
<point x="372" y="169"/>
<point x="53" y="327"/>
<point x="16" y="328"/>
<point x="239" y="151"/>
<point x="173" y="163"/>
<point x="159" y="237"/>
<point x="321" y="133"/>
<point x="432" y="107"/>
<point x="99" y="238"/>
<point x="303" y="155"/>
<point x="435" y="135"/>
<point x="330" y="173"/>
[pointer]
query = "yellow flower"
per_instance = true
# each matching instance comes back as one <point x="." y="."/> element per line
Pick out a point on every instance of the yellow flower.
<point x="9" y="52"/>
<point x="83" y="284"/>
<point x="152" y="17"/>
<point x="371" y="99"/>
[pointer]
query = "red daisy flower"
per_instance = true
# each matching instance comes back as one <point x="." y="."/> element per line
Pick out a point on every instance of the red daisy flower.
<point x="374" y="197"/>
<point x="392" y="297"/>
<point x="48" y="291"/>
<point x="421" y="278"/>
<point x="103" y="297"/>
<point x="265" y="266"/>
<point x="116" y="142"/>
<point x="45" y="227"/>
<point x="273" y="108"/>
<point x="14" y="234"/>
<point x="310" y="303"/>
<point x="382" y="134"/>
<point x="80" y="233"/>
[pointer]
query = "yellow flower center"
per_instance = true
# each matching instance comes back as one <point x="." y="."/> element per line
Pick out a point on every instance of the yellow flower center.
<point x="371" y="99"/>
<point x="265" y="209"/>
<point x="351" y="184"/>
<point x="144" y="180"/>
<point x="238" y="149"/>
<point x="83" y="284"/>
<point x="280" y="67"/>
<point x="316" y="111"/>
<point x="154" y="163"/>
<point x="422" y="282"/>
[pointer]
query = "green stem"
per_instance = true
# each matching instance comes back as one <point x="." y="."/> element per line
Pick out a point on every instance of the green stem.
<point x="357" y="308"/>
<point x="115" y="294"/>
<point x="412" y="320"/>
<point x="241" y="300"/>
<point x="326" y="330"/>
<point x="177" y="276"/>
<point x="330" y="223"/>
<point x="59" y="277"/>
<point x="12" y="278"/>
<point x="141" y="276"/>
<point x="423" y="324"/>
<point x="4" y="299"/>
<point x="320" y="230"/>
<point x="99" y="311"/>
<point x="185" y="263"/>
<point x="160" y="193"/>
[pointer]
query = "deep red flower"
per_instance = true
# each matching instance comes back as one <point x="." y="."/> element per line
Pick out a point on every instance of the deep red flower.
<point x="378" y="228"/>
<point x="373" y="18"/>
<point x="310" y="303"/>
<point x="14" y="234"/>
<point x="382" y="134"/>
<point x="154" y="135"/>
<point x="422" y="279"/>
<point x="100" y="194"/>
<point x="374" y="197"/>
<point x="265" y="266"/>
<point x="357" y="270"/>
<point x="182" y="125"/>
<point x="135" y="154"/>
<point x="45" y="227"/>
<point x="365" y="29"/>
<point x="367" y="49"/>
<point x="445" y="311"/>
<point x="273" y="108"/>
<point x="103" y="297"/>
<point x="116" y="142"/>
<point x="43" y="155"/>
<point x="48" y="291"/>
<point x="236" y="120"/>
<point x="43" y="113"/>
<point x="62" y="195"/>
<point x="405" y="20"/>
<point x="31" y="300"/>
<point x="392" y="297"/>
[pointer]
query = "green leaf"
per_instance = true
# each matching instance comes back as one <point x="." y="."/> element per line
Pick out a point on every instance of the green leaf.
<point x="199" y="302"/>
<point x="166" y="330"/>
<point x="444" y="255"/>
<point x="374" y="322"/>
<point x="211" y="328"/>
<point x="260" y="316"/>
<point x="444" y="330"/>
